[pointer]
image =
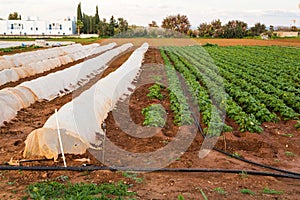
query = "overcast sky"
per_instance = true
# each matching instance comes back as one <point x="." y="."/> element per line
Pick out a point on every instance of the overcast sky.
<point x="141" y="12"/>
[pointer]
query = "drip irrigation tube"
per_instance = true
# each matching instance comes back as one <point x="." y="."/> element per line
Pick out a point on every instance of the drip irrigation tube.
<point x="242" y="159"/>
<point x="94" y="168"/>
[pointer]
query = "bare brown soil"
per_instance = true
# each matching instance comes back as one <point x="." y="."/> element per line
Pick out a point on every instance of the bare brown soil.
<point x="270" y="148"/>
<point x="156" y="42"/>
<point x="251" y="42"/>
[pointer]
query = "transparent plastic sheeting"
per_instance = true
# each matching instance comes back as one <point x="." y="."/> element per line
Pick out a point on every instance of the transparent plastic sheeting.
<point x="80" y="120"/>
<point x="64" y="55"/>
<point x="53" y="85"/>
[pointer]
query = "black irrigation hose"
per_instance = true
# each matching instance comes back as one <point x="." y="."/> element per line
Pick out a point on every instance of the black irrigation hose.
<point x="257" y="164"/>
<point x="242" y="159"/>
<point x="94" y="168"/>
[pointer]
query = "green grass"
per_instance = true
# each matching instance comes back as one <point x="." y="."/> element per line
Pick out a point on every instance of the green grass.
<point x="247" y="191"/>
<point x="220" y="190"/>
<point x="77" y="40"/>
<point x="133" y="176"/>
<point x="289" y="154"/>
<point x="244" y="174"/>
<point x="18" y="49"/>
<point x="287" y="135"/>
<point x="271" y="191"/>
<point x="55" y="190"/>
<point x="297" y="126"/>
<point x="203" y="195"/>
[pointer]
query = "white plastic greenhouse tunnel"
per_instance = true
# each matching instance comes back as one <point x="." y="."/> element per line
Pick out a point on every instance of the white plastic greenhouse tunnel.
<point x="27" y="64"/>
<point x="53" y="85"/>
<point x="80" y="120"/>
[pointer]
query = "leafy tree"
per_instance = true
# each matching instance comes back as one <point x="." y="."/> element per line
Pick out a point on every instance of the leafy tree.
<point x="103" y="28"/>
<point x="111" y="26"/>
<point x="178" y="23"/>
<point x="86" y="23"/>
<point x="91" y="24"/>
<point x="235" y="29"/>
<point x="217" y="28"/>
<point x="122" y="25"/>
<point x="14" y="16"/>
<point x="153" y="24"/>
<point x="257" y="29"/>
<point x="294" y="28"/>
<point x="79" y="25"/>
<point x="214" y="29"/>
<point x="204" y="30"/>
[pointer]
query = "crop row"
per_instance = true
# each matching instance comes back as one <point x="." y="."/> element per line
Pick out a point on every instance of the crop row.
<point x="250" y="98"/>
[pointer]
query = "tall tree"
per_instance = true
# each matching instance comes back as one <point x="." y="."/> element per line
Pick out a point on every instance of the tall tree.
<point x="235" y="29"/>
<point x="153" y="24"/>
<point x="14" y="16"/>
<point x="91" y="22"/>
<point x="112" y="25"/>
<point x="96" y="21"/>
<point x="79" y="22"/>
<point x="122" y="25"/>
<point x="79" y="13"/>
<point x="214" y="29"/>
<point x="257" y="29"/>
<point x="178" y="23"/>
<point x="103" y="28"/>
<point x="204" y="30"/>
<point x="97" y="18"/>
<point x="79" y="25"/>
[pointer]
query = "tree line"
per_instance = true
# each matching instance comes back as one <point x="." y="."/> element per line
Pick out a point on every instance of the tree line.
<point x="92" y="24"/>
<point x="174" y="23"/>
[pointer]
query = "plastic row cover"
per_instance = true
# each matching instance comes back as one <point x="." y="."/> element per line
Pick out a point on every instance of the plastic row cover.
<point x="53" y="85"/>
<point x="80" y="120"/>
<point x="21" y="59"/>
<point x="15" y="74"/>
<point x="26" y="58"/>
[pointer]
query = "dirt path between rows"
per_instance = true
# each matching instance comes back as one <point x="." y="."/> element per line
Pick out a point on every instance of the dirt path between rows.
<point x="270" y="147"/>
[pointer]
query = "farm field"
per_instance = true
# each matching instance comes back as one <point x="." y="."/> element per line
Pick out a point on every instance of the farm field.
<point x="257" y="86"/>
<point x="221" y="42"/>
<point x="252" y="42"/>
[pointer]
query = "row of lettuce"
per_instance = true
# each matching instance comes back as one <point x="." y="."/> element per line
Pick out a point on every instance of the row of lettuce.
<point x="250" y="85"/>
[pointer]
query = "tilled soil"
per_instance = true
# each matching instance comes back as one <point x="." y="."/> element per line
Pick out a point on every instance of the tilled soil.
<point x="269" y="148"/>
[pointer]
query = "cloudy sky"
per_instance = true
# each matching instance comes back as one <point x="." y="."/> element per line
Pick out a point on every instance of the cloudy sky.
<point x="141" y="12"/>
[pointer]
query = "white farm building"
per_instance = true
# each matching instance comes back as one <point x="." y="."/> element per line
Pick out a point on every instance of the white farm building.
<point x="37" y="27"/>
